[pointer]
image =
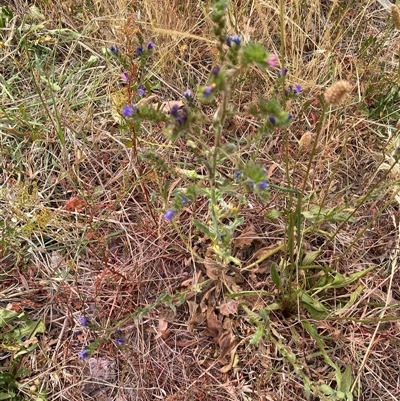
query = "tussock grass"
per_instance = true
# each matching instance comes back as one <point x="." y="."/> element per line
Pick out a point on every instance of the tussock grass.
<point x="82" y="198"/>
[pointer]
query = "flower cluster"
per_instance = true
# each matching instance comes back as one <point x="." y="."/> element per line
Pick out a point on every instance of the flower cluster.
<point x="83" y="321"/>
<point x="84" y="353"/>
<point x="233" y="40"/>
<point x="119" y="340"/>
<point x="283" y="72"/>
<point x="140" y="50"/>
<point x="141" y="90"/>
<point x="179" y="114"/>
<point x="293" y="90"/>
<point x="129" y="110"/>
<point x="114" y="50"/>
<point x="169" y="214"/>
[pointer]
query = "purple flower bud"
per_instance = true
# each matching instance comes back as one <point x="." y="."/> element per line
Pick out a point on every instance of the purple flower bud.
<point x="83" y="321"/>
<point x="114" y="50"/>
<point x="169" y="214"/>
<point x="125" y="76"/>
<point x="215" y="70"/>
<point x="184" y="199"/>
<point x="283" y="72"/>
<point x="263" y="185"/>
<point x="237" y="175"/>
<point x="233" y="39"/>
<point x="290" y="116"/>
<point x="272" y="120"/>
<point x="150" y="45"/>
<point x="120" y="340"/>
<point x="188" y="94"/>
<point x="141" y="90"/>
<point x="139" y="51"/>
<point x="297" y="89"/>
<point x="174" y="111"/>
<point x="127" y="111"/>
<point x="84" y="353"/>
<point x="207" y="91"/>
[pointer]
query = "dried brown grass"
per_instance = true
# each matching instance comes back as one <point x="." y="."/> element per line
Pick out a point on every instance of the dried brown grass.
<point x="117" y="258"/>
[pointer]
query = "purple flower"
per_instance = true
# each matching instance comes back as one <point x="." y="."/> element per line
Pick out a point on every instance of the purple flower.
<point x="182" y="117"/>
<point x="188" y="94"/>
<point x="263" y="185"/>
<point x="207" y="91"/>
<point x="141" y="90"/>
<point x="272" y="120"/>
<point x="174" y="111"/>
<point x="237" y="175"/>
<point x="120" y="341"/>
<point x="290" y="116"/>
<point x="150" y="45"/>
<point x="127" y="111"/>
<point x="215" y="70"/>
<point x="233" y="39"/>
<point x="139" y="51"/>
<point x="83" y="321"/>
<point x="272" y="60"/>
<point x="297" y="89"/>
<point x="179" y="114"/>
<point x="283" y="72"/>
<point x="125" y="76"/>
<point x="114" y="50"/>
<point x="184" y="199"/>
<point x="84" y="353"/>
<point x="169" y="214"/>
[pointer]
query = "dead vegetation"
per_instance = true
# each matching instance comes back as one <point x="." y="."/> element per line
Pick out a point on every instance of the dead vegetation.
<point x="83" y="235"/>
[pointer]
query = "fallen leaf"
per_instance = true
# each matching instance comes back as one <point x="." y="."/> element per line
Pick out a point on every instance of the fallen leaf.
<point x="228" y="307"/>
<point x="196" y="317"/>
<point x="246" y="238"/>
<point x="214" y="326"/>
<point x="213" y="268"/>
<point x="162" y="329"/>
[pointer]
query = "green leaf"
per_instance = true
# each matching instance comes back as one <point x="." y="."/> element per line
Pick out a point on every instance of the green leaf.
<point x="273" y="214"/>
<point x="204" y="229"/>
<point x="353" y="298"/>
<point x="7" y="396"/>
<point x="340" y="281"/>
<point x="255" y="53"/>
<point x="327" y="390"/>
<point x="275" y="276"/>
<point x="310" y="257"/>
<point x="191" y="174"/>
<point x="7" y="316"/>
<point x="314" y="307"/>
<point x="314" y="334"/>
<point x="347" y="380"/>
<point x="257" y="335"/>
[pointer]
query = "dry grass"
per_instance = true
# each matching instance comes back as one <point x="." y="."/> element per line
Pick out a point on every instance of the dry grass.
<point x="82" y="232"/>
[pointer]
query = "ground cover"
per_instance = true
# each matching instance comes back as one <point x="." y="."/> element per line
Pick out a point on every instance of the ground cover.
<point x="199" y="200"/>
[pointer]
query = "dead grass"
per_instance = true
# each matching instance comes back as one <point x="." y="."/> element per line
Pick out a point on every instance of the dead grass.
<point x="82" y="233"/>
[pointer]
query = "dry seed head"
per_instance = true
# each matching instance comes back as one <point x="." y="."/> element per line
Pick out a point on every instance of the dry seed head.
<point x="394" y="10"/>
<point x="336" y="93"/>
<point x="306" y="141"/>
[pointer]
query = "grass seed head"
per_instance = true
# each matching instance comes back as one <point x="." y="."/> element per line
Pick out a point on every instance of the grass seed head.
<point x="306" y="141"/>
<point x="394" y="10"/>
<point x="336" y="93"/>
